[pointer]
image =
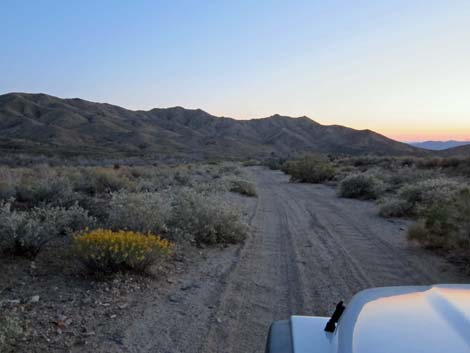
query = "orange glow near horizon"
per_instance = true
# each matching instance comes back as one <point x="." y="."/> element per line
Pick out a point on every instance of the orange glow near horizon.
<point x="427" y="135"/>
<point x="408" y="130"/>
<point x="399" y="130"/>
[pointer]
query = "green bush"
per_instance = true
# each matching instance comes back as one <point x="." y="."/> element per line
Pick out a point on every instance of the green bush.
<point x="309" y="170"/>
<point x="360" y="186"/>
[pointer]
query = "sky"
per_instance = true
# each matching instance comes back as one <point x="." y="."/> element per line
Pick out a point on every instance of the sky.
<point x="401" y="68"/>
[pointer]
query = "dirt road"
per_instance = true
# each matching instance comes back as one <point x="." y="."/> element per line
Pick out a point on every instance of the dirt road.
<point x="308" y="250"/>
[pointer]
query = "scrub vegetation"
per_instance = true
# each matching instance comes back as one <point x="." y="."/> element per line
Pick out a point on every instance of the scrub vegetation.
<point x="432" y="192"/>
<point x="309" y="169"/>
<point x="42" y="204"/>
<point x="91" y="231"/>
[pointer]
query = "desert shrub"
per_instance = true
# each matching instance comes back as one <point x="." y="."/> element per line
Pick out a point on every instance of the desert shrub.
<point x="427" y="193"/>
<point x="309" y="170"/>
<point x="429" y="163"/>
<point x="146" y="185"/>
<point x="462" y="212"/>
<point x="394" y="207"/>
<point x="403" y="176"/>
<point x="7" y="190"/>
<point x="100" y="180"/>
<point x="274" y="163"/>
<point x="25" y="233"/>
<point x="230" y="169"/>
<point x="342" y="171"/>
<point x="437" y="228"/>
<point x="182" y="177"/>
<point x="50" y="189"/>
<point x="108" y="180"/>
<point x="407" y="161"/>
<point x="451" y="162"/>
<point x="8" y="181"/>
<point x="439" y="219"/>
<point x="104" y="250"/>
<point x="243" y="187"/>
<point x="96" y="207"/>
<point x="141" y="212"/>
<point x="464" y="170"/>
<point x="445" y="225"/>
<point x="204" y="219"/>
<point x="418" y="232"/>
<point x="10" y="329"/>
<point x="431" y="235"/>
<point x="162" y="178"/>
<point x="360" y="186"/>
<point x="250" y="163"/>
<point x="454" y="165"/>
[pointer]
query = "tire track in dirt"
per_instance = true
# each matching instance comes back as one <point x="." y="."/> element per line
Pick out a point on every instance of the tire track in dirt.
<point x="327" y="250"/>
<point x="264" y="286"/>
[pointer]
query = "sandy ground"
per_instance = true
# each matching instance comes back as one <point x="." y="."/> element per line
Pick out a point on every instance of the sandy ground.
<point x="308" y="250"/>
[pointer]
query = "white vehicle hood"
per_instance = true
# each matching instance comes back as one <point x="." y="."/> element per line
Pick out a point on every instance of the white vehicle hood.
<point x="421" y="319"/>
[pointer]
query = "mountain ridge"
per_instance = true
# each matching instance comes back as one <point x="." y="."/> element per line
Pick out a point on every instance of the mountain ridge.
<point x="40" y="122"/>
<point x="439" y="145"/>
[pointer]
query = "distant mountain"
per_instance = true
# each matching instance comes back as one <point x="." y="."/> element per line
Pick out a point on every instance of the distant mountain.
<point x="439" y="145"/>
<point x="44" y="124"/>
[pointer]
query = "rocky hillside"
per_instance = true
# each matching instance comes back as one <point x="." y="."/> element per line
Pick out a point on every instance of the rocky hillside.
<point x="44" y="124"/>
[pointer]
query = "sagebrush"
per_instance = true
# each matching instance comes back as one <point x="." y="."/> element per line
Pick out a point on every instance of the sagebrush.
<point x="205" y="219"/>
<point x="27" y="232"/>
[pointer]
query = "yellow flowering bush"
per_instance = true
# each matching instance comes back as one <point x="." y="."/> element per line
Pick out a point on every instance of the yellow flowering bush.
<point x="105" y="250"/>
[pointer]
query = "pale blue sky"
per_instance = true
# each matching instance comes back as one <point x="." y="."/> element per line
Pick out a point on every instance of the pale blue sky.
<point x="398" y="67"/>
